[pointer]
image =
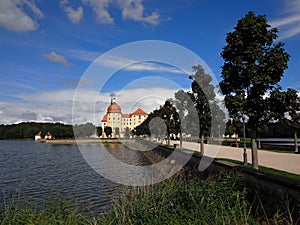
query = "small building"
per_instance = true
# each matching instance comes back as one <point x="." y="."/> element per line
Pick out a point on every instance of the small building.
<point x="48" y="136"/>
<point x="38" y="136"/>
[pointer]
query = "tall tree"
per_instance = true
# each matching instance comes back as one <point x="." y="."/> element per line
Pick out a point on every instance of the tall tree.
<point x="202" y="95"/>
<point x="182" y="102"/>
<point x="253" y="65"/>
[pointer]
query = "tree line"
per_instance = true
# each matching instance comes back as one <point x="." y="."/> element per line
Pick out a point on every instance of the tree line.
<point x="27" y="130"/>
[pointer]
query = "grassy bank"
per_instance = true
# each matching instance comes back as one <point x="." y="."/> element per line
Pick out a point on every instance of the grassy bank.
<point x="217" y="200"/>
<point x="220" y="199"/>
<point x="55" y="211"/>
<point x="264" y="169"/>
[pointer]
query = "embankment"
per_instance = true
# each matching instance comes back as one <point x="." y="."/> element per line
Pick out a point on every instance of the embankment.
<point x="268" y="192"/>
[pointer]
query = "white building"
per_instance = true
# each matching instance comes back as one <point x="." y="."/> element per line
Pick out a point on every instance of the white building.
<point x="48" y="136"/>
<point x="115" y="119"/>
<point x="38" y="136"/>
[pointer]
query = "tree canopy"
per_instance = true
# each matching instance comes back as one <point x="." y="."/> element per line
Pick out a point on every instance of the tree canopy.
<point x="161" y="122"/>
<point x="253" y="65"/>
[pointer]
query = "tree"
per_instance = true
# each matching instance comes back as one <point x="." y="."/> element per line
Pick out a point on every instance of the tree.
<point x="99" y="131"/>
<point x="117" y="131"/>
<point x="253" y="65"/>
<point x="171" y="118"/>
<point x="162" y="121"/>
<point x="202" y="95"/>
<point x="127" y="132"/>
<point x="182" y="103"/>
<point x="84" y="130"/>
<point x="285" y="106"/>
<point x="108" y="131"/>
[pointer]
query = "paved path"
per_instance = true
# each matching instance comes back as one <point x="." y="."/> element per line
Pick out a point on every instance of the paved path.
<point x="282" y="161"/>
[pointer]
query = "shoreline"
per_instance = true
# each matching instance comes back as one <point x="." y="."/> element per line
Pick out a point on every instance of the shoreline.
<point x="81" y="141"/>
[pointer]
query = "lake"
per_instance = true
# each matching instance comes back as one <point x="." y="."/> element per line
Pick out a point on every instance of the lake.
<point x="279" y="143"/>
<point x="38" y="171"/>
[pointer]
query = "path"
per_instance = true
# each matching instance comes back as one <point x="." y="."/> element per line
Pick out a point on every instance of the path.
<point x="282" y="161"/>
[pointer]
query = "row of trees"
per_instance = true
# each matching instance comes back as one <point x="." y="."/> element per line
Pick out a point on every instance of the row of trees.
<point x="27" y="130"/>
<point x="253" y="67"/>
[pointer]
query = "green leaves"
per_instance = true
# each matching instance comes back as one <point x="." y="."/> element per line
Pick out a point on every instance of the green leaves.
<point x="202" y="95"/>
<point x="166" y="116"/>
<point x="253" y="65"/>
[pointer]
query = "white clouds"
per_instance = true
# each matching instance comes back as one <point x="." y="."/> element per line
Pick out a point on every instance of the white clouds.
<point x="56" y="106"/>
<point x="52" y="56"/>
<point x="289" y="25"/>
<point x="133" y="65"/>
<point x="22" y="15"/>
<point x="100" y="7"/>
<point x="134" y="10"/>
<point x="14" y="17"/>
<point x="130" y="10"/>
<point x="83" y="54"/>
<point x="73" y="14"/>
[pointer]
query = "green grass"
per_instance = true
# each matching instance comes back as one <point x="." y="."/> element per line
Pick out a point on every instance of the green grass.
<point x="55" y="211"/>
<point x="265" y="169"/>
<point x="220" y="199"/>
<point x="217" y="200"/>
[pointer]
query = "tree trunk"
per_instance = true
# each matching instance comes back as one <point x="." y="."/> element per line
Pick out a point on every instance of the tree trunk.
<point x="296" y="141"/>
<point x="202" y="145"/>
<point x="180" y="141"/>
<point x="258" y="138"/>
<point x="254" y="150"/>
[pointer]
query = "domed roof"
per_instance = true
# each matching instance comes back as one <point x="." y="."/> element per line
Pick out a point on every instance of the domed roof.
<point x="114" y="108"/>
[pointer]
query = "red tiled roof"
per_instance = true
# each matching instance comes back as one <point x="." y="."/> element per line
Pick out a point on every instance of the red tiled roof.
<point x="139" y="111"/>
<point x="114" y="108"/>
<point x="104" y="118"/>
<point x="126" y="115"/>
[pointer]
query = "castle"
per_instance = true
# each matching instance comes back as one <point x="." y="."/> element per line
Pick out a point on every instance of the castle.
<point x="119" y="122"/>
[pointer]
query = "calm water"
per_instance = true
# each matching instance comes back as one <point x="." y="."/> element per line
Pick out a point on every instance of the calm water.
<point x="38" y="170"/>
<point x="280" y="141"/>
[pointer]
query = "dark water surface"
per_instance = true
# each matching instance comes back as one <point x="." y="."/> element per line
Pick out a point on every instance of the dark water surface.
<point x="38" y="170"/>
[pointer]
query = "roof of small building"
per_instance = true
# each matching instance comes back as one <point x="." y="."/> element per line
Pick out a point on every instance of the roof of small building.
<point x="139" y="111"/>
<point x="39" y="134"/>
<point x="48" y="134"/>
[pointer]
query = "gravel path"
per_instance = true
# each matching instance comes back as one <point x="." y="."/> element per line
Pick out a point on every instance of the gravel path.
<point x="289" y="162"/>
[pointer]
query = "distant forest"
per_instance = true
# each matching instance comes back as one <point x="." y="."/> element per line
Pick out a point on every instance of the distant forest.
<point x="27" y="130"/>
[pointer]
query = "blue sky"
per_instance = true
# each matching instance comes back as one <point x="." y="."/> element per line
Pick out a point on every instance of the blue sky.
<point x="46" y="47"/>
